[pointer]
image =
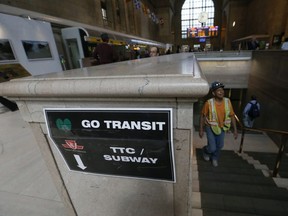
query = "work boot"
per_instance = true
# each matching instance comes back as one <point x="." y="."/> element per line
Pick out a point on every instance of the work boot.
<point x="215" y="163"/>
<point x="206" y="157"/>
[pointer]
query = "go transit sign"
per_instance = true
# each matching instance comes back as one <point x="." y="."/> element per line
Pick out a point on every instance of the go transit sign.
<point x="135" y="143"/>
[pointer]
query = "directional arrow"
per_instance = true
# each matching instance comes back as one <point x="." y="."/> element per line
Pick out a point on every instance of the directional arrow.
<point x="79" y="161"/>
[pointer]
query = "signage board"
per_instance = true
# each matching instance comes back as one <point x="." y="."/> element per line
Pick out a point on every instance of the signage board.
<point x="134" y="143"/>
<point x="205" y="31"/>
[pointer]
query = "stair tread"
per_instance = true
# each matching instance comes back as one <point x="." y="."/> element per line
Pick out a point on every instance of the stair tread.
<point x="269" y="159"/>
<point x="247" y="190"/>
<point x="214" y="212"/>
<point x="250" y="205"/>
<point x="222" y="169"/>
<point x="231" y="163"/>
<point x="236" y="188"/>
<point x="234" y="164"/>
<point x="230" y="177"/>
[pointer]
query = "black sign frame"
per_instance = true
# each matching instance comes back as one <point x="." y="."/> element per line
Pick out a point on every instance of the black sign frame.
<point x="123" y="142"/>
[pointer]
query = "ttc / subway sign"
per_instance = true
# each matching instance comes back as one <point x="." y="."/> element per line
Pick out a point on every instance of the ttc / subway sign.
<point x="135" y="143"/>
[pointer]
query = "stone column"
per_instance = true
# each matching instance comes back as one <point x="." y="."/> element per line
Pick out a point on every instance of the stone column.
<point x="173" y="81"/>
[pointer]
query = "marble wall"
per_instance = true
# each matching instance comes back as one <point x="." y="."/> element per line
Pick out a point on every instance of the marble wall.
<point x="268" y="80"/>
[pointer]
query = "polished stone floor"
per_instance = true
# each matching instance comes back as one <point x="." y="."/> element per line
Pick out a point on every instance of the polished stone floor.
<point x="26" y="187"/>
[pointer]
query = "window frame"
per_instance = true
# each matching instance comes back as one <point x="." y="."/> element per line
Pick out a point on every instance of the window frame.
<point x="191" y="9"/>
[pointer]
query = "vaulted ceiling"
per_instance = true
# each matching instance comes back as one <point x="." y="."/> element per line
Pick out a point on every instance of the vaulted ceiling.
<point x="176" y="4"/>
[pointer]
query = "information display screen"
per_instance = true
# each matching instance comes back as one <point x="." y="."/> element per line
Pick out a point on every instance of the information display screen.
<point x="36" y="50"/>
<point x="206" y="31"/>
<point x="6" y="51"/>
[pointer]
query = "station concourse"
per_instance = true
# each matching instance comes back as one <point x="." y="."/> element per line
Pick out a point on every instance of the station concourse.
<point x="44" y="163"/>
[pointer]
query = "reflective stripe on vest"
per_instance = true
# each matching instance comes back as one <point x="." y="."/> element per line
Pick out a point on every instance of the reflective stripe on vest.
<point x="213" y="120"/>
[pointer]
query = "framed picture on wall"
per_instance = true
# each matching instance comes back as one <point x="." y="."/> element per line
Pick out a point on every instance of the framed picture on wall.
<point x="37" y="50"/>
<point x="7" y="53"/>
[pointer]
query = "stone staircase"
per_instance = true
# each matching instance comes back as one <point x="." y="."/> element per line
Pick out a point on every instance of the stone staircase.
<point x="269" y="160"/>
<point x="240" y="186"/>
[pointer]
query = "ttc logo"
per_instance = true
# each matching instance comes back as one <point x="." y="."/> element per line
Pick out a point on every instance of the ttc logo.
<point x="66" y="125"/>
<point x="71" y="144"/>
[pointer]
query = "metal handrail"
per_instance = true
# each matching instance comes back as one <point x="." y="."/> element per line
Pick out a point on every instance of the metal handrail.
<point x="284" y="138"/>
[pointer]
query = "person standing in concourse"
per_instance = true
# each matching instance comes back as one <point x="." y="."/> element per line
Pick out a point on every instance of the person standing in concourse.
<point x="104" y="53"/>
<point x="154" y="51"/>
<point x="216" y="117"/>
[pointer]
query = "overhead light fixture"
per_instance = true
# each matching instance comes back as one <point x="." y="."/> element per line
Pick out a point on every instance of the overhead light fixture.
<point x="144" y="42"/>
<point x="234" y="23"/>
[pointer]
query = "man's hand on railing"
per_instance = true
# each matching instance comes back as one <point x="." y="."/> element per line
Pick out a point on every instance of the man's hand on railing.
<point x="235" y="134"/>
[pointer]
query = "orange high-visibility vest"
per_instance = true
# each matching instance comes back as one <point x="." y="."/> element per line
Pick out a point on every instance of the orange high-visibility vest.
<point x="213" y="120"/>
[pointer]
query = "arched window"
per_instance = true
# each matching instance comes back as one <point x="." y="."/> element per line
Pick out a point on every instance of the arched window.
<point x="191" y="10"/>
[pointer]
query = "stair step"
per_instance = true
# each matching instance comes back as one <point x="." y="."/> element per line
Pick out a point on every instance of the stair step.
<point x="210" y="202"/>
<point x="246" y="190"/>
<point x="229" y="158"/>
<point x="236" y="187"/>
<point x="223" y="153"/>
<point x="235" y="178"/>
<point x="281" y="182"/>
<point x="214" y="212"/>
<point x="269" y="159"/>
<point x="231" y="163"/>
<point x="265" y="155"/>
<point x="229" y="170"/>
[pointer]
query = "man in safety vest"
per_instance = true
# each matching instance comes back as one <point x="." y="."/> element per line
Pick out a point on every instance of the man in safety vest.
<point x="216" y="116"/>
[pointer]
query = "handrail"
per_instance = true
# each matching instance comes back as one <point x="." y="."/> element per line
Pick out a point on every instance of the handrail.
<point x="284" y="138"/>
